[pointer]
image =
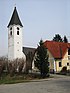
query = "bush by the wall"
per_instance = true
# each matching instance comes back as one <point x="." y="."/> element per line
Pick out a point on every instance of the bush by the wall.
<point x="64" y="70"/>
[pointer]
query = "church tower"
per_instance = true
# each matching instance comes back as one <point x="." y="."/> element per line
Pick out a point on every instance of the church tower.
<point x="15" y="37"/>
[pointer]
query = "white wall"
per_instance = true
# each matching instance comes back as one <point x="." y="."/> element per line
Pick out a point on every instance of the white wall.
<point x="15" y="43"/>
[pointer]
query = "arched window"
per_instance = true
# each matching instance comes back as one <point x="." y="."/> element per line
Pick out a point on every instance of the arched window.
<point x="11" y="33"/>
<point x="17" y="32"/>
<point x="11" y="28"/>
<point x="17" y="28"/>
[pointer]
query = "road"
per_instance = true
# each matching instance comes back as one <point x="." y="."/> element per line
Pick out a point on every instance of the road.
<point x="58" y="84"/>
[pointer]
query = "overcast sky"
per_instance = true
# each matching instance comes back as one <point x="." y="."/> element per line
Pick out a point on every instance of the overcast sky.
<point x="41" y="19"/>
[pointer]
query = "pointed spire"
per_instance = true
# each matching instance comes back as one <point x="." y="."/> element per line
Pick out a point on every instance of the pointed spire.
<point x="15" y="19"/>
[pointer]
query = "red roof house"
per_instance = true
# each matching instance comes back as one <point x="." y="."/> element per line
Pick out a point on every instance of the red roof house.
<point x="59" y="55"/>
<point x="57" y="49"/>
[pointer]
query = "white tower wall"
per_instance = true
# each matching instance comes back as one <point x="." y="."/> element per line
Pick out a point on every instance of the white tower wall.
<point x="15" y="43"/>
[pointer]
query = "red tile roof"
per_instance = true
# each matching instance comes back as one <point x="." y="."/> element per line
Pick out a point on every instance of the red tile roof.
<point x="57" y="49"/>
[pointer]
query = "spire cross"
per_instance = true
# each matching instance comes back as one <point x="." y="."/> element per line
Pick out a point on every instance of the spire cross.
<point x="15" y="5"/>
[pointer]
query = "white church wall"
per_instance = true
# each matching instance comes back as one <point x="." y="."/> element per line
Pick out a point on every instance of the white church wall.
<point x="17" y="42"/>
<point x="10" y="45"/>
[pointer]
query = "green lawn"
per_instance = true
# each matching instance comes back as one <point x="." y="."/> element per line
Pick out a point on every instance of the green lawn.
<point x="7" y="79"/>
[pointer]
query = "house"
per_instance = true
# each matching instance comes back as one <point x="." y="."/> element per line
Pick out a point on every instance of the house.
<point x="59" y="55"/>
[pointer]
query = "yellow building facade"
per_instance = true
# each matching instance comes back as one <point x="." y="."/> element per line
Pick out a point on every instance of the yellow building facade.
<point x="58" y="64"/>
<point x="58" y="60"/>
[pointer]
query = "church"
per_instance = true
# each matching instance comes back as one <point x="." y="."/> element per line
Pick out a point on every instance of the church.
<point x="15" y="48"/>
<point x="59" y="52"/>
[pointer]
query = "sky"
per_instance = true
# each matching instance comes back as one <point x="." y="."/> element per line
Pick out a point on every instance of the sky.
<point x="41" y="19"/>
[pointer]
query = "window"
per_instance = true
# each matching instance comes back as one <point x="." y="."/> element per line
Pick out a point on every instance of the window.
<point x="17" y="32"/>
<point x="68" y="57"/>
<point x="11" y="28"/>
<point x="17" y="42"/>
<point x="69" y="51"/>
<point x="17" y="28"/>
<point x="67" y="64"/>
<point x="59" y="64"/>
<point x="11" y="33"/>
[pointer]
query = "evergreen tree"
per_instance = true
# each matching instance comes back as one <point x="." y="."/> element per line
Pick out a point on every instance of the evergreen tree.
<point x="57" y="38"/>
<point x="65" y="39"/>
<point x="41" y="59"/>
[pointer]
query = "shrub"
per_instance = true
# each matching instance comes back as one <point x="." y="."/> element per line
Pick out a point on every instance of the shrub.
<point x="64" y="70"/>
<point x="1" y="69"/>
<point x="3" y="64"/>
<point x="21" y="66"/>
<point x="17" y="65"/>
<point x="11" y="69"/>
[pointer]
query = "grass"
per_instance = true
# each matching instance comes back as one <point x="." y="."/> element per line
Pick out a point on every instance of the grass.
<point x="7" y="79"/>
<point x="11" y="81"/>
